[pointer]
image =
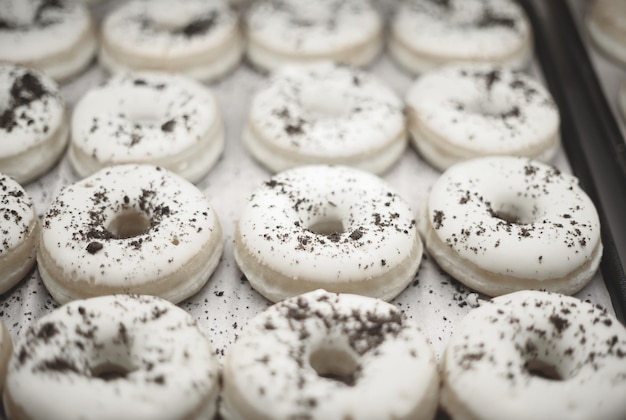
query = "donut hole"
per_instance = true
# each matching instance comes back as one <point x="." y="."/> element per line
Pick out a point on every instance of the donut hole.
<point x="496" y="106"/>
<point x="542" y="369"/>
<point x="166" y="19"/>
<point x="129" y="224"/>
<point x="145" y="116"/>
<point x="514" y="212"/>
<point x="335" y="364"/>
<point x="327" y="226"/>
<point x="323" y="101"/>
<point x="110" y="371"/>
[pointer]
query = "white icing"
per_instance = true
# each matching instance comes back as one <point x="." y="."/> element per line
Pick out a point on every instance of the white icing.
<point x="18" y="233"/>
<point x="157" y="118"/>
<point x="427" y="33"/>
<point x="459" y="112"/>
<point x="268" y="371"/>
<point x="324" y="113"/>
<point x="294" y="31"/>
<point x="372" y="248"/>
<point x="80" y="256"/>
<point x="554" y="244"/>
<point x="171" y="368"/>
<point x="33" y="124"/>
<point x="56" y="37"/>
<point x="197" y="37"/>
<point x="484" y="367"/>
<point x="606" y="23"/>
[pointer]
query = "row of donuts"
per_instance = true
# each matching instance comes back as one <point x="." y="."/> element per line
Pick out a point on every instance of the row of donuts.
<point x="204" y="39"/>
<point x="320" y="355"/>
<point x="320" y="113"/>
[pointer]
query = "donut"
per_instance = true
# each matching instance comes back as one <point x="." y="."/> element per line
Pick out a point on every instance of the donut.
<point x="502" y="224"/>
<point x="6" y="349"/>
<point x="606" y="25"/>
<point x="460" y="112"/>
<point x="300" y="31"/>
<point x="129" y="229"/>
<point x="330" y="227"/>
<point x="33" y="123"/>
<point x="113" y="357"/>
<point x="325" y="114"/>
<point x="199" y="38"/>
<point x="427" y="34"/>
<point x="330" y="356"/>
<point x="147" y="118"/>
<point x="20" y="233"/>
<point x="56" y="37"/>
<point x="536" y="355"/>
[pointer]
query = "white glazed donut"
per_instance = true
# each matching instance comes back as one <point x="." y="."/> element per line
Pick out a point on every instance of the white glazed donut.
<point x="155" y="118"/>
<point x="129" y="229"/>
<point x="426" y="34"/>
<point x="6" y="350"/>
<point x="54" y="36"/>
<point x="336" y="228"/>
<point x="324" y="113"/>
<point x="502" y="224"/>
<point x="330" y="356"/>
<point x="606" y="24"/>
<point x="460" y="112"/>
<point x="20" y="233"/>
<point x="536" y="355"/>
<point x="33" y="123"/>
<point x="113" y="357"/>
<point x="199" y="38"/>
<point x="300" y="31"/>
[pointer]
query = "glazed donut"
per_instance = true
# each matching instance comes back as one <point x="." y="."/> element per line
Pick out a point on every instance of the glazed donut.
<point x="330" y="227"/>
<point x="6" y="349"/>
<point x="325" y="113"/>
<point x="460" y="112"/>
<point x="606" y="24"/>
<point x="54" y="36"/>
<point x="536" y="355"/>
<point x="300" y="31"/>
<point x="33" y="123"/>
<point x="113" y="357"/>
<point x="330" y="356"/>
<point x="155" y="118"/>
<point x="129" y="229"/>
<point x="198" y="38"/>
<point x="501" y="224"/>
<point x="20" y="233"/>
<point x="426" y="34"/>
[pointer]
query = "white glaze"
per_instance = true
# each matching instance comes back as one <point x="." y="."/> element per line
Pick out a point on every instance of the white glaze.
<point x="459" y="112"/>
<point x="324" y="113"/>
<point x="198" y="38"/>
<point x="56" y="37"/>
<point x="6" y="349"/>
<point x="606" y="24"/>
<point x="554" y="244"/>
<point x="484" y="367"/>
<point x="300" y="31"/>
<point x="268" y="371"/>
<point x="19" y="233"/>
<point x="33" y="123"/>
<point x="81" y="255"/>
<point x="171" y="368"/>
<point x="156" y="118"/>
<point x="376" y="253"/>
<point x="426" y="34"/>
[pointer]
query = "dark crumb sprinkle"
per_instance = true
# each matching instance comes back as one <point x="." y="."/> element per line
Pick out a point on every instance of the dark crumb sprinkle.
<point x="168" y="127"/>
<point x="94" y="247"/>
<point x="438" y="218"/>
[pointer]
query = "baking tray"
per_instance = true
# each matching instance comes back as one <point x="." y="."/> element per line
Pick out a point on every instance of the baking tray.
<point x="433" y="300"/>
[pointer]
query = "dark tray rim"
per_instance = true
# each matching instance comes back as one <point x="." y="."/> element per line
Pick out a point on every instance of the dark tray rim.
<point x="591" y="137"/>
